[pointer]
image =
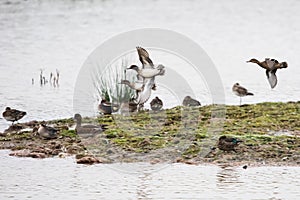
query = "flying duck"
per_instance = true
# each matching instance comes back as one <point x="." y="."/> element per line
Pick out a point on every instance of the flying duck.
<point x="47" y="132"/>
<point x="189" y="101"/>
<point x="240" y="91"/>
<point x="271" y="66"/>
<point x="228" y="143"/>
<point x="156" y="104"/>
<point x="86" y="130"/>
<point x="146" y="76"/>
<point x="13" y="114"/>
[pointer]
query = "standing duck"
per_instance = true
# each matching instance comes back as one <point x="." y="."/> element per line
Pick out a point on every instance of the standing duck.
<point x="47" y="132"/>
<point x="228" y="143"/>
<point x="189" y="101"/>
<point x="156" y="104"/>
<point x="86" y="130"/>
<point x="240" y="91"/>
<point x="13" y="114"/>
<point x="271" y="66"/>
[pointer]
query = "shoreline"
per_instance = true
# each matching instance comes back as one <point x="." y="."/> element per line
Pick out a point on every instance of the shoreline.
<point x="270" y="133"/>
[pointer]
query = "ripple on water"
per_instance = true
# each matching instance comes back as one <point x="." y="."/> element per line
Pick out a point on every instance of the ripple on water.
<point x="28" y="178"/>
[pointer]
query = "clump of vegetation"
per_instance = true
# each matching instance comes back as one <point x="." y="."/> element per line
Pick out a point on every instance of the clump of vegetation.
<point x="107" y="83"/>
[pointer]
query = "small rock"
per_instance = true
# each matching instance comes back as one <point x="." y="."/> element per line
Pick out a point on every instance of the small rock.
<point x="245" y="167"/>
<point x="88" y="160"/>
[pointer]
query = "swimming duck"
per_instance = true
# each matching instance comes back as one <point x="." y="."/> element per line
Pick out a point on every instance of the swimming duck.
<point x="13" y="114"/>
<point x="106" y="107"/>
<point x="240" y="91"/>
<point x="156" y="104"/>
<point x="271" y="66"/>
<point x="86" y="130"/>
<point x="228" y="143"/>
<point x="47" y="132"/>
<point x="189" y="101"/>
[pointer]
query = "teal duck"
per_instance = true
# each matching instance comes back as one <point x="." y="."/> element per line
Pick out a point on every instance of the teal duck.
<point x="240" y="91"/>
<point x="228" y="143"/>
<point x="87" y="130"/>
<point x="47" y="132"/>
<point x="106" y="107"/>
<point x="271" y="66"/>
<point x="189" y="101"/>
<point x="13" y="114"/>
<point x="146" y="75"/>
<point x="156" y="104"/>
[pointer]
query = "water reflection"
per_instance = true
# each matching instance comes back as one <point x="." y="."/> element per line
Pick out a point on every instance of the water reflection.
<point x="228" y="177"/>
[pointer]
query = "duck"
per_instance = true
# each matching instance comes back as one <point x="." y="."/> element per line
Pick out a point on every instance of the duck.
<point x="137" y="85"/>
<point x="87" y="130"/>
<point x="13" y="114"/>
<point x="240" y="91"/>
<point x="106" y="107"/>
<point x="228" y="143"/>
<point x="156" y="104"/>
<point x="149" y="72"/>
<point x="189" y="101"/>
<point x="47" y="132"/>
<point x="145" y="75"/>
<point x="271" y="66"/>
<point x="127" y="107"/>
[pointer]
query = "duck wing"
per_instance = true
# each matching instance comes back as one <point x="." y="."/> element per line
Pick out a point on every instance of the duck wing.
<point x="144" y="58"/>
<point x="272" y="78"/>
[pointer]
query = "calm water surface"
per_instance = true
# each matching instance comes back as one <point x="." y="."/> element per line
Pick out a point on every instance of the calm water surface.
<point x="27" y="178"/>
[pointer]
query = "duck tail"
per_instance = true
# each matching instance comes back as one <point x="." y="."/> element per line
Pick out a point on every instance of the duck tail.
<point x="249" y="93"/>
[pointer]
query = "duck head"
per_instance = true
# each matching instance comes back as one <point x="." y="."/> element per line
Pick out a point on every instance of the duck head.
<point x="253" y="60"/>
<point x="77" y="117"/>
<point x="134" y="67"/>
<point x="284" y="65"/>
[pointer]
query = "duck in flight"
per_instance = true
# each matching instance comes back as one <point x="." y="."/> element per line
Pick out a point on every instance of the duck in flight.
<point x="240" y="91"/>
<point x="271" y="66"/>
<point x="146" y="75"/>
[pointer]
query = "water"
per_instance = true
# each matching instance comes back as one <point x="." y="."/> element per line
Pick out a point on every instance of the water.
<point x="62" y="178"/>
<point x="61" y="34"/>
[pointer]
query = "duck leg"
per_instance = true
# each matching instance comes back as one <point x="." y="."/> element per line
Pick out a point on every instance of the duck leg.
<point x="240" y="100"/>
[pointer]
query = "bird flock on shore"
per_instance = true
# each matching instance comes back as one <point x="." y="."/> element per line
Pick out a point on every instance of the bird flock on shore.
<point x="143" y="86"/>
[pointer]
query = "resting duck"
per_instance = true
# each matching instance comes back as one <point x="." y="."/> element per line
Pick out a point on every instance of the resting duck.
<point x="228" y="143"/>
<point x="271" y="66"/>
<point x="106" y="107"/>
<point x="156" y="104"/>
<point x="240" y="91"/>
<point x="189" y="101"/>
<point x="86" y="130"/>
<point x="127" y="107"/>
<point x="47" y="132"/>
<point x="13" y="114"/>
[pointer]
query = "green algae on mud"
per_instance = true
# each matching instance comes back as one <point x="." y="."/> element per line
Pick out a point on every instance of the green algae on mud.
<point x="270" y="133"/>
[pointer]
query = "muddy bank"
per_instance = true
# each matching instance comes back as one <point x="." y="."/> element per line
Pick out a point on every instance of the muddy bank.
<point x="270" y="134"/>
